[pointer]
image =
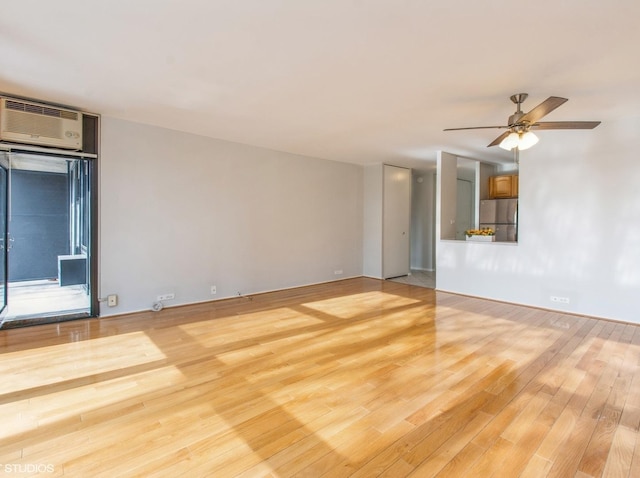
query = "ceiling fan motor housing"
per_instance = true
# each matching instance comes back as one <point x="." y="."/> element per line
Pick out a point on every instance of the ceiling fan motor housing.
<point x="514" y="120"/>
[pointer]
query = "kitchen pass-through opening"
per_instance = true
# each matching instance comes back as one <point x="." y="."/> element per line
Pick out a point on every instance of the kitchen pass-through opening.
<point x="46" y="231"/>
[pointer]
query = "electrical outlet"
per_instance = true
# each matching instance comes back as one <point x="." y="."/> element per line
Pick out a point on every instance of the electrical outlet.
<point x="560" y="300"/>
<point x="167" y="296"/>
<point x="112" y="300"/>
<point x="337" y="272"/>
<point x="213" y="290"/>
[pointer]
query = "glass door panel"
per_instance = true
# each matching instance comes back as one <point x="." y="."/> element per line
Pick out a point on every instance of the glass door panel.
<point x="4" y="238"/>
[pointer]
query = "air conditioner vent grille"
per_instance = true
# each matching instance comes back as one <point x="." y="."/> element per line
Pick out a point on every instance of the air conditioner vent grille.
<point x="26" y="124"/>
<point x="41" y="110"/>
<point x="72" y="115"/>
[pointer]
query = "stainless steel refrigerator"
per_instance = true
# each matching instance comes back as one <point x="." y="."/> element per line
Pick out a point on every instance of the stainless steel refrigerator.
<point x="501" y="215"/>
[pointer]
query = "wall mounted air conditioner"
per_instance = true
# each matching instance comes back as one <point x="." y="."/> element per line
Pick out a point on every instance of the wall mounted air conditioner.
<point x="39" y="124"/>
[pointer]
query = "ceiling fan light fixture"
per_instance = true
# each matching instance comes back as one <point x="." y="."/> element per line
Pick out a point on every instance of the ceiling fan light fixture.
<point x="510" y="141"/>
<point x="527" y="140"/>
<point x="521" y="141"/>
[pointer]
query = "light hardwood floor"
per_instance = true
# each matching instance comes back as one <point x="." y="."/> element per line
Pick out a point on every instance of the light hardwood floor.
<point x="357" y="378"/>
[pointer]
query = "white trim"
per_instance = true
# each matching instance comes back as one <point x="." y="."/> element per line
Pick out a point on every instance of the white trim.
<point x="10" y="147"/>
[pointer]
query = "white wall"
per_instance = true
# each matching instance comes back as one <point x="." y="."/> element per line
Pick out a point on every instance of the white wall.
<point x="446" y="196"/>
<point x="422" y="220"/>
<point x="579" y="231"/>
<point x="181" y="212"/>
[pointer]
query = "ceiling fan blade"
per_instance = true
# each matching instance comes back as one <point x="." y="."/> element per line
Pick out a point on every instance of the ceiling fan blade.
<point x="474" y="127"/>
<point x="565" y="125"/>
<point x="499" y="139"/>
<point x="543" y="109"/>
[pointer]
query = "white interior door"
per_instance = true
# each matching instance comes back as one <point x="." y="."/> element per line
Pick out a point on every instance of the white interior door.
<point x="396" y="221"/>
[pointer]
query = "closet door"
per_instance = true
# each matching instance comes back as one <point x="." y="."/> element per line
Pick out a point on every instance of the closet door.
<point x="396" y="221"/>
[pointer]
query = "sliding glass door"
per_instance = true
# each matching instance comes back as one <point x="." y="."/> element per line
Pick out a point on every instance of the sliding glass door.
<point x="4" y="236"/>
<point x="48" y="273"/>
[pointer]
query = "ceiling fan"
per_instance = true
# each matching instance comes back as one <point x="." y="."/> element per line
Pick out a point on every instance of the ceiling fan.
<point x="519" y="128"/>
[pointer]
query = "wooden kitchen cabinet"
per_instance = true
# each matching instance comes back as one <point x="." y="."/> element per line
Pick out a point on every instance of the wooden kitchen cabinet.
<point x="505" y="186"/>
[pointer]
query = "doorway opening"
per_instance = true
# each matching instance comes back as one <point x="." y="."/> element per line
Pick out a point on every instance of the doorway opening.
<point x="422" y="237"/>
<point x="46" y="227"/>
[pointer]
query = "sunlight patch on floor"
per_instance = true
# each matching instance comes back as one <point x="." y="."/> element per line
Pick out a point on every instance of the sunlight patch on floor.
<point x="350" y="306"/>
<point x="22" y="370"/>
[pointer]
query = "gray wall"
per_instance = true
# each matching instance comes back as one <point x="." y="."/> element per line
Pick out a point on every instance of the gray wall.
<point x="180" y="213"/>
<point x="372" y="221"/>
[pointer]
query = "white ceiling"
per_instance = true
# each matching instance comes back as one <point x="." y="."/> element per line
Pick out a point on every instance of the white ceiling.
<point x="349" y="80"/>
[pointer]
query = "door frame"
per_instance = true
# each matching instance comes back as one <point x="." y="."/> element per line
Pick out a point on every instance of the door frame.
<point x="4" y="233"/>
<point x="92" y="257"/>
